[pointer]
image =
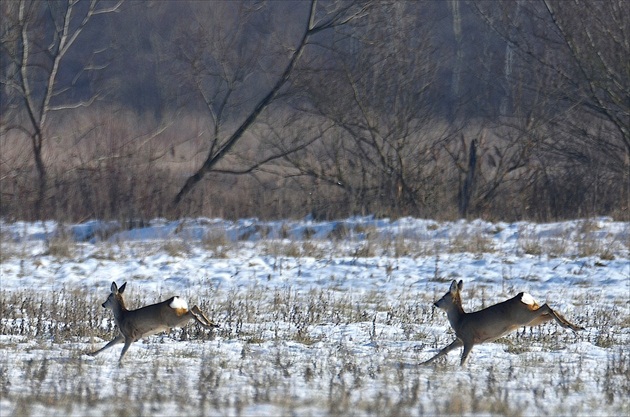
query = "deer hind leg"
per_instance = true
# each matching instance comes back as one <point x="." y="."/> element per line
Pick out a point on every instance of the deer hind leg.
<point x="456" y="343"/>
<point x="540" y="320"/>
<point x="118" y="339"/>
<point x="201" y="318"/>
<point x="559" y="318"/>
<point x="545" y="313"/>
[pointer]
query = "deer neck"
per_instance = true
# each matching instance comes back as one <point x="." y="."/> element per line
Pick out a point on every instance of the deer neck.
<point x="119" y="309"/>
<point x="455" y="313"/>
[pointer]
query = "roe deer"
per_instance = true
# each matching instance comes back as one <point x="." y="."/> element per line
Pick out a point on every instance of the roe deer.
<point x="493" y="322"/>
<point x="148" y="320"/>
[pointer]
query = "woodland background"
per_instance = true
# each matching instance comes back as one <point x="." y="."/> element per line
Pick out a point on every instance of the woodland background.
<point x="278" y="109"/>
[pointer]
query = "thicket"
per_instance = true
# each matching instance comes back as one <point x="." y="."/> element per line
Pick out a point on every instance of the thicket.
<point x="281" y="110"/>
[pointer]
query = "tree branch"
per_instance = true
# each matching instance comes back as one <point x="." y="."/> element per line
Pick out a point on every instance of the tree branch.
<point x="213" y="158"/>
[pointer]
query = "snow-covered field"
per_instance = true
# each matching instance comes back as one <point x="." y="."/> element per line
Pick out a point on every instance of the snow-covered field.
<point x="316" y="318"/>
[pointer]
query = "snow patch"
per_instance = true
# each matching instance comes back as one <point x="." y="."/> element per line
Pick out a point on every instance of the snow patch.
<point x="581" y="287"/>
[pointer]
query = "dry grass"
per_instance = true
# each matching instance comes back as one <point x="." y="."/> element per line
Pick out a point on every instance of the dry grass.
<point x="175" y="248"/>
<point x="476" y="243"/>
<point x="107" y="165"/>
<point x="289" y="320"/>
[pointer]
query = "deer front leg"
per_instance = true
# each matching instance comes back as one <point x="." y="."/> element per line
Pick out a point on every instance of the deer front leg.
<point x="116" y="340"/>
<point x="456" y="343"/>
<point x="467" y="348"/>
<point x="128" y="342"/>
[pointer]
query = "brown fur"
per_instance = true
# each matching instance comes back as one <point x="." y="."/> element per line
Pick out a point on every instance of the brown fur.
<point x="491" y="323"/>
<point x="148" y="320"/>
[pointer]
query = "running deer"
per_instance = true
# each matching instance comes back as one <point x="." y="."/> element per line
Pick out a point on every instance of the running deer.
<point x="493" y="322"/>
<point x="155" y="318"/>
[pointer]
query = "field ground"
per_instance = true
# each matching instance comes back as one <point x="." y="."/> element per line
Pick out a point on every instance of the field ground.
<point x="316" y="318"/>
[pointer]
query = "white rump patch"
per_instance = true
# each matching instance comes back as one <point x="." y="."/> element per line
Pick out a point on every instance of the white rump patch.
<point x="178" y="304"/>
<point x="528" y="299"/>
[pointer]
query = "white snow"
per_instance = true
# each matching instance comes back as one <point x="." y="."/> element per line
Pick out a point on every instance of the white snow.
<point x="317" y="318"/>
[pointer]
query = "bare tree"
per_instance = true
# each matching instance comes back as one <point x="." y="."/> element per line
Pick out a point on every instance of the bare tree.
<point x="226" y="78"/>
<point x="596" y="41"/>
<point x="377" y="93"/>
<point x="36" y="41"/>
<point x="568" y="82"/>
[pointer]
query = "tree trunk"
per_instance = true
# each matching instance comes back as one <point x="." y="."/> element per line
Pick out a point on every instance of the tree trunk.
<point x="469" y="182"/>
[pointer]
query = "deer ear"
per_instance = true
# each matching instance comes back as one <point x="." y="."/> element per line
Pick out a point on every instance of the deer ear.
<point x="460" y="285"/>
<point x="114" y="287"/>
<point x="122" y="288"/>
<point x="453" y="286"/>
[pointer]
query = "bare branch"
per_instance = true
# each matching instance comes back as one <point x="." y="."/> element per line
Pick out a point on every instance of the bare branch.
<point x="214" y="157"/>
